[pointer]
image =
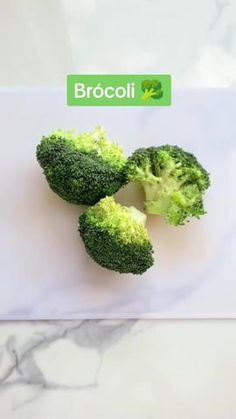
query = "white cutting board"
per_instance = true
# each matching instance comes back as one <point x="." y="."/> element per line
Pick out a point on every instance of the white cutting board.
<point x="45" y="272"/>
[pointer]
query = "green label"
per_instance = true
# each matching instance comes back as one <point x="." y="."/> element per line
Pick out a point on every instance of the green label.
<point x="119" y="90"/>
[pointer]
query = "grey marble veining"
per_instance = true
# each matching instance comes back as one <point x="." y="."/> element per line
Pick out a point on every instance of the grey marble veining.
<point x="19" y="359"/>
<point x="52" y="369"/>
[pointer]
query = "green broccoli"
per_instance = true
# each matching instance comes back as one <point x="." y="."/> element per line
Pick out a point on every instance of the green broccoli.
<point x="82" y="168"/>
<point x="152" y="89"/>
<point x="173" y="180"/>
<point x="116" y="238"/>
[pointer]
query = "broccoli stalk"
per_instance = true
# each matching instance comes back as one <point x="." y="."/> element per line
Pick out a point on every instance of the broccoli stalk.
<point x="173" y="181"/>
<point x="116" y="238"/>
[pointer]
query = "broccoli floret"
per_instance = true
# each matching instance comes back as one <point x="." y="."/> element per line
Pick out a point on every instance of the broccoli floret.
<point x="116" y="238"/>
<point x="82" y="168"/>
<point x="152" y="89"/>
<point x="173" y="180"/>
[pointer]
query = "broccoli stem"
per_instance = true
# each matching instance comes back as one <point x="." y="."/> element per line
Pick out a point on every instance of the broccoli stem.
<point x="157" y="207"/>
<point x="151" y="191"/>
<point x="155" y="201"/>
<point x="148" y="94"/>
<point x="158" y="195"/>
<point x="138" y="216"/>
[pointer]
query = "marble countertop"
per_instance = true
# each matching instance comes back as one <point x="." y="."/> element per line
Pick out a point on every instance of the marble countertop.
<point x="119" y="369"/>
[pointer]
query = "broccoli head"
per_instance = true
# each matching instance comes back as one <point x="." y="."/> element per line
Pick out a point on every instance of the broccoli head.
<point x="82" y="168"/>
<point x="173" y="180"/>
<point x="152" y="89"/>
<point x="116" y="238"/>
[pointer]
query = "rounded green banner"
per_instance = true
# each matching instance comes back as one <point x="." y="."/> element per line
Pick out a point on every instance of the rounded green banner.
<point x="118" y="90"/>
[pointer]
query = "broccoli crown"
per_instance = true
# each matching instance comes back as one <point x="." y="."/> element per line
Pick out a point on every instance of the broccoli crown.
<point x="81" y="168"/>
<point x="173" y="180"/>
<point x="116" y="238"/>
<point x="152" y="89"/>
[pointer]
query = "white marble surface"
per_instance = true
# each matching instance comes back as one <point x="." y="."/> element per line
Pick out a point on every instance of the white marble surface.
<point x="56" y="277"/>
<point x="133" y="370"/>
<point x="116" y="369"/>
